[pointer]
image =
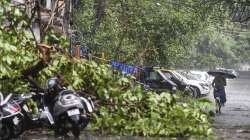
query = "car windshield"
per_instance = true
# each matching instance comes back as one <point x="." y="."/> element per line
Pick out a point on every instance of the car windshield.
<point x="174" y="75"/>
<point x="193" y="76"/>
<point x="179" y="76"/>
<point x="169" y="75"/>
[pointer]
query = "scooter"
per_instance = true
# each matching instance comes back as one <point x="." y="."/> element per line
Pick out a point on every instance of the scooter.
<point x="11" y="118"/>
<point x="69" y="111"/>
<point x="73" y="110"/>
<point x="42" y="118"/>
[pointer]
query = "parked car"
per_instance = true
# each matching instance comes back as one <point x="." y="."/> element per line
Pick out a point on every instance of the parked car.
<point x="199" y="75"/>
<point x="202" y="88"/>
<point x="155" y="80"/>
<point x="181" y="84"/>
<point x="158" y="79"/>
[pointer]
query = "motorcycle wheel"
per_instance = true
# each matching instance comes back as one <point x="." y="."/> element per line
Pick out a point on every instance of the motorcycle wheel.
<point x="84" y="123"/>
<point x="75" y="125"/>
<point x="60" y="132"/>
<point x="5" y="132"/>
<point x="17" y="130"/>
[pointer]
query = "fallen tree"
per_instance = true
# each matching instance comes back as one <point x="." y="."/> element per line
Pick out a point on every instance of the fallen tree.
<point x="123" y="108"/>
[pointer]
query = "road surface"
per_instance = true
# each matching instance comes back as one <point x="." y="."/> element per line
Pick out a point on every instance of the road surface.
<point x="234" y="122"/>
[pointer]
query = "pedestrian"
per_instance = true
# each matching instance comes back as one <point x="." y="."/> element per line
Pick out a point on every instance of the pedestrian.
<point x="219" y="84"/>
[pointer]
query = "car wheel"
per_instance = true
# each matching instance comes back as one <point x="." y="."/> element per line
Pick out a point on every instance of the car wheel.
<point x="196" y="92"/>
<point x="192" y="93"/>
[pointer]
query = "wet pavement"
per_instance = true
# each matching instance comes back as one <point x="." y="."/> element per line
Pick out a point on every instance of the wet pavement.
<point x="89" y="136"/>
<point x="232" y="124"/>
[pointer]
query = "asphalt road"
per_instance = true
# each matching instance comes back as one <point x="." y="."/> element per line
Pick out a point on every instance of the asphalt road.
<point x="234" y="122"/>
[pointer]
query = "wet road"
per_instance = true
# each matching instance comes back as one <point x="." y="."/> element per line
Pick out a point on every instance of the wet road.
<point x="234" y="122"/>
<point x="87" y="136"/>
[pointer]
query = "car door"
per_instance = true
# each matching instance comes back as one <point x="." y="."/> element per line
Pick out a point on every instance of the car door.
<point x="156" y="81"/>
<point x="173" y="78"/>
<point x="153" y="79"/>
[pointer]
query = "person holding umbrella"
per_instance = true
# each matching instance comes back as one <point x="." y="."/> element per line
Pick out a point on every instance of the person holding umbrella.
<point x="219" y="84"/>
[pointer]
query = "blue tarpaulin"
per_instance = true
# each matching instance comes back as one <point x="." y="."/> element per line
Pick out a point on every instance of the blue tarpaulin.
<point x="84" y="51"/>
<point x="129" y="69"/>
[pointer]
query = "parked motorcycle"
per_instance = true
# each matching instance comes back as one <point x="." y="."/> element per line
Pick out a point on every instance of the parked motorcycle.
<point x="71" y="109"/>
<point x="58" y="108"/>
<point x="11" y="118"/>
<point x="40" y="119"/>
<point x="20" y="112"/>
<point x="65" y="109"/>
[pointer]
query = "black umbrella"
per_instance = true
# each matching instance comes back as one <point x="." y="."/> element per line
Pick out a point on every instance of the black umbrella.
<point x="225" y="73"/>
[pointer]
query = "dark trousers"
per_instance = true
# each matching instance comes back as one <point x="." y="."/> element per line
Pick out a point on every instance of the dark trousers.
<point x="220" y="92"/>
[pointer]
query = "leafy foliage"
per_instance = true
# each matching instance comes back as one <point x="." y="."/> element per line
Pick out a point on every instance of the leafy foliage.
<point x="150" y="114"/>
<point x="226" y="48"/>
<point x="170" y="33"/>
<point x="142" y="32"/>
<point x="16" y="46"/>
<point x="143" y="28"/>
<point x="125" y="109"/>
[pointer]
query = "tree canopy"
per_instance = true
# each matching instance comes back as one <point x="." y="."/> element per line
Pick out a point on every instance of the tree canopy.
<point x="144" y="113"/>
<point x="155" y="32"/>
<point x="141" y="32"/>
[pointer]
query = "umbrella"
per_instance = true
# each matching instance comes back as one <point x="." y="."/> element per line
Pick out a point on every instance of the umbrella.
<point x="225" y="73"/>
